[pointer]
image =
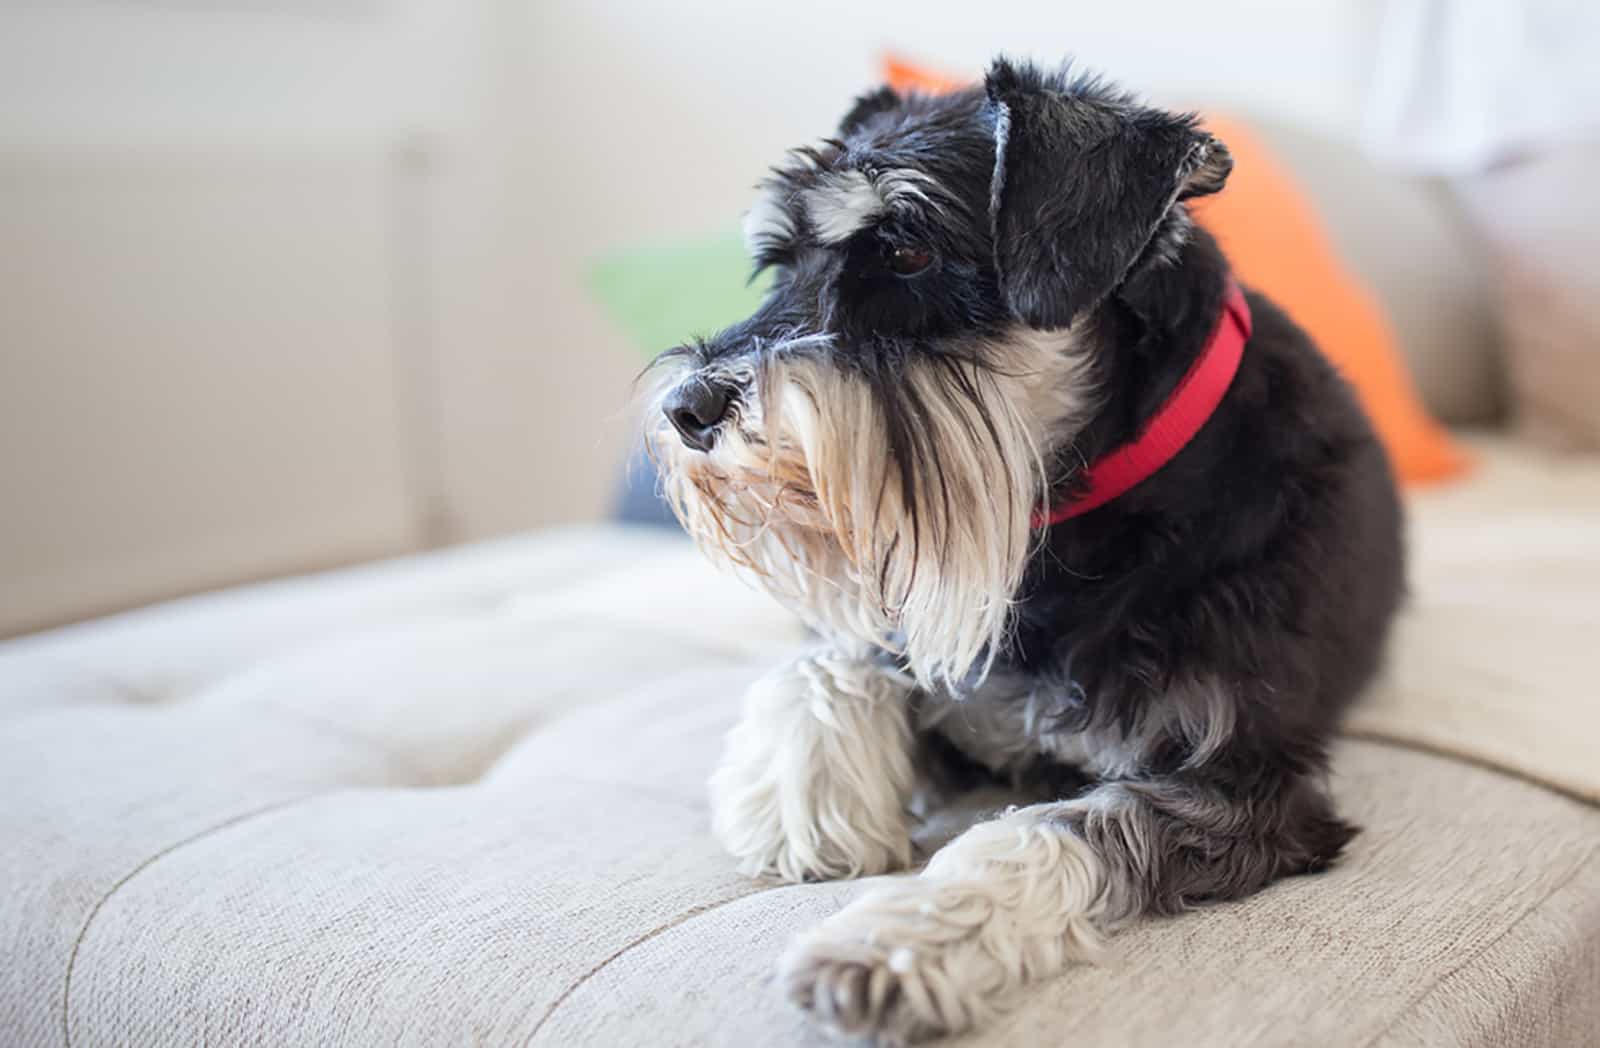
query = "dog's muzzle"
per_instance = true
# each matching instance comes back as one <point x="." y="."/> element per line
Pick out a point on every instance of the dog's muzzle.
<point x="695" y="409"/>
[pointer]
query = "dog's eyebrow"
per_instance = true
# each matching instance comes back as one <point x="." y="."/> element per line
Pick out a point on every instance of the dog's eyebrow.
<point x="840" y="203"/>
<point x="835" y="203"/>
<point x="904" y="188"/>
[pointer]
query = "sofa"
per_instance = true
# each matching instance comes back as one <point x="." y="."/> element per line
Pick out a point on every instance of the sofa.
<point x="459" y="797"/>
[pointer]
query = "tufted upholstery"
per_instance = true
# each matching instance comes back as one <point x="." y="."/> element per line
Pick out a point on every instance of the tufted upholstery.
<point x="458" y="798"/>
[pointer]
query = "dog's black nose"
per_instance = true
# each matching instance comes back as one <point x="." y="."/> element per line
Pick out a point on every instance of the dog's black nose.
<point x="694" y="409"/>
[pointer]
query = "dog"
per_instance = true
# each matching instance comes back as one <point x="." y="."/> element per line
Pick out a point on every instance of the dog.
<point x="1068" y="510"/>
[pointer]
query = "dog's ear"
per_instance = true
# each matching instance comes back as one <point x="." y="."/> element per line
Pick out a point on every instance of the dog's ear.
<point x="1084" y="178"/>
<point x="866" y="107"/>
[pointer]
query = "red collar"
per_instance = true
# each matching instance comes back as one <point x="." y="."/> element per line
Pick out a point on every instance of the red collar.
<point x="1187" y="408"/>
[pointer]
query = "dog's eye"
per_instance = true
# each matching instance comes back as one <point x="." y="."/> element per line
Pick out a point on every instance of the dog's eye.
<point x="909" y="261"/>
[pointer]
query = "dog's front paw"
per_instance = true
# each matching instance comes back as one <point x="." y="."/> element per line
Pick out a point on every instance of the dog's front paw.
<point x="897" y="967"/>
<point x="816" y="777"/>
<point x="1011" y="901"/>
<point x="802" y="825"/>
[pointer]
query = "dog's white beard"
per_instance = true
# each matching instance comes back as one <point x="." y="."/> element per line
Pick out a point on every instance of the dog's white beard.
<point x="803" y="493"/>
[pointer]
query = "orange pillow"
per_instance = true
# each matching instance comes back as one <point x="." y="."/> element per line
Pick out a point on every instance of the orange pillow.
<point x="1278" y="246"/>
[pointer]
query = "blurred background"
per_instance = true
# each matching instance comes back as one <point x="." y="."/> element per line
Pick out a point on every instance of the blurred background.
<point x="286" y="284"/>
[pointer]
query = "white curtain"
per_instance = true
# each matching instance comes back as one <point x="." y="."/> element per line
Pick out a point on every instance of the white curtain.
<point x="1462" y="85"/>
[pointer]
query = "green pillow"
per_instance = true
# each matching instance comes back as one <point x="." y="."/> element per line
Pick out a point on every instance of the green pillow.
<point x="662" y="294"/>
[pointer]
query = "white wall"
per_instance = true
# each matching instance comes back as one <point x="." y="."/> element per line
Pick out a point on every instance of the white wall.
<point x="140" y="69"/>
<point x="199" y="380"/>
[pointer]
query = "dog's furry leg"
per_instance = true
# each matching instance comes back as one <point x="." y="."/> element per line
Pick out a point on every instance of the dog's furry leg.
<point x="1010" y="901"/>
<point x="1016" y="899"/>
<point x="815" y="778"/>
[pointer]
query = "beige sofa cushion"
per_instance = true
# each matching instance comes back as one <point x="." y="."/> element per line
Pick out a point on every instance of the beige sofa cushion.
<point x="460" y="798"/>
<point x="1495" y="657"/>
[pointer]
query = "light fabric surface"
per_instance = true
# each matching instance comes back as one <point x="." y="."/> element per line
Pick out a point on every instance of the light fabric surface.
<point x="1497" y="657"/>
<point x="459" y="799"/>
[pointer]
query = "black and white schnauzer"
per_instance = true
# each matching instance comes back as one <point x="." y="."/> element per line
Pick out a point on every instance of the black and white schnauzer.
<point x="1067" y="508"/>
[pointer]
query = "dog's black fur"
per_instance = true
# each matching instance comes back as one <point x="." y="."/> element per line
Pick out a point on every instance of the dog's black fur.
<point x="1267" y="554"/>
<point x="1247" y="587"/>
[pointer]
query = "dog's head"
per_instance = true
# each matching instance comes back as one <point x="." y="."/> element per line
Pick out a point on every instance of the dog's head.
<point x="872" y="441"/>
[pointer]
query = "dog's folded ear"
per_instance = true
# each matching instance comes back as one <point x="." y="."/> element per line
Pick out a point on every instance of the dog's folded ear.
<point x="1084" y="179"/>
<point x="866" y="107"/>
